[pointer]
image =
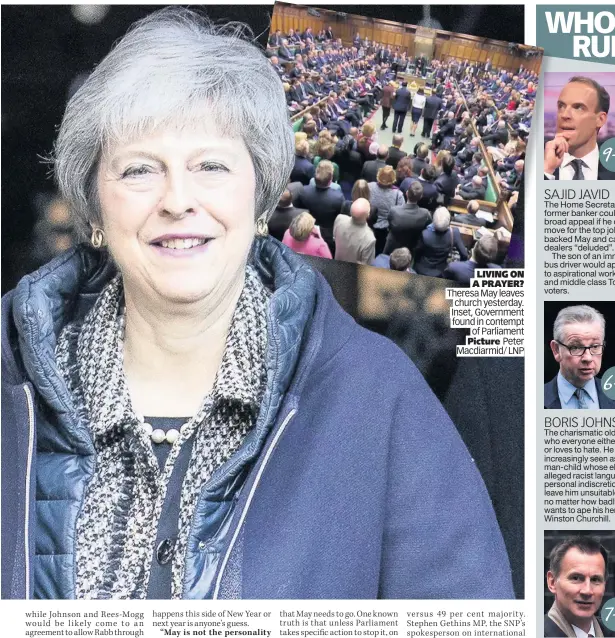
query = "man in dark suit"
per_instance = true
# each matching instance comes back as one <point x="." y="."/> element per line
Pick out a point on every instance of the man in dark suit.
<point x="474" y="167"/>
<point x="310" y="86"/>
<point x="395" y="152"/>
<point x="470" y="217"/>
<point x="447" y="182"/>
<point x="436" y="243"/>
<point x="370" y="169"/>
<point x="298" y="93"/>
<point x="473" y="189"/>
<point x="464" y="152"/>
<point x="293" y="38"/>
<point x="573" y="154"/>
<point x="513" y="179"/>
<point x="276" y="66"/>
<point x="433" y="104"/>
<point x="577" y="345"/>
<point x="284" y="53"/>
<point x="459" y="69"/>
<point x="275" y="39"/>
<point x="303" y="170"/>
<point x="322" y="201"/>
<point x="295" y="188"/>
<point x="298" y="70"/>
<point x="401" y="104"/>
<point x="484" y="252"/>
<point x="420" y="161"/>
<point x="430" y="191"/>
<point x="578" y="569"/>
<point x="407" y="222"/>
<point x="499" y="136"/>
<point x="459" y="108"/>
<point x="447" y="129"/>
<point x="400" y="260"/>
<point x="283" y="215"/>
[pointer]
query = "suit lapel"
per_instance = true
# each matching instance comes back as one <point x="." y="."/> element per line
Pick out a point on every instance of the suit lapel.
<point x="605" y="173"/>
<point x="552" y="401"/>
<point x="552" y="630"/>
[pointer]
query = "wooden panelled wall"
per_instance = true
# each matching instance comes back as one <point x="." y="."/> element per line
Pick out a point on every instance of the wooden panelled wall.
<point x="447" y="45"/>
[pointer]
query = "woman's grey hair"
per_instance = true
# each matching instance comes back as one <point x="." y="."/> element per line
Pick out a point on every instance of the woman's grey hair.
<point x="576" y="314"/>
<point x="441" y="219"/>
<point x="175" y="69"/>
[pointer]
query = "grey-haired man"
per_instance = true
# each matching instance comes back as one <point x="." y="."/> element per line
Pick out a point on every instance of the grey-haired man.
<point x="577" y="345"/>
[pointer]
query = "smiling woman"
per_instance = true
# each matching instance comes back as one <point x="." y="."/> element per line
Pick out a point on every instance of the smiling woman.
<point x="180" y="172"/>
<point x="186" y="410"/>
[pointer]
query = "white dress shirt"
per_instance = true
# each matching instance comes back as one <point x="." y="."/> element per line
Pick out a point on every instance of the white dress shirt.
<point x="584" y="634"/>
<point x="567" y="398"/>
<point x="590" y="170"/>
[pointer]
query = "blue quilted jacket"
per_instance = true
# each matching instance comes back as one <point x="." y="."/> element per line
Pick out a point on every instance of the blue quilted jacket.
<point x="347" y="487"/>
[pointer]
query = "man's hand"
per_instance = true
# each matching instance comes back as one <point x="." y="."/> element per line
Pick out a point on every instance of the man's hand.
<point x="554" y="153"/>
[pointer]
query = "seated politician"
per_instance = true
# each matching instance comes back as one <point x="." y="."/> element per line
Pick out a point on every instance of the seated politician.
<point x="577" y="578"/>
<point x="483" y="254"/>
<point x="577" y="345"/>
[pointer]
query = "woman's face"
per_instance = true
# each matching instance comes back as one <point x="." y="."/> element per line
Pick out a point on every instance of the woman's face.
<point x="178" y="213"/>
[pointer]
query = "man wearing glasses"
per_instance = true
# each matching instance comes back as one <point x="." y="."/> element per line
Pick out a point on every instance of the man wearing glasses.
<point x="577" y="345"/>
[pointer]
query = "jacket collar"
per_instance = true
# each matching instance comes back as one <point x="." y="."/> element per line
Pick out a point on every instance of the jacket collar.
<point x="67" y="287"/>
<point x="42" y="304"/>
<point x="552" y="401"/>
<point x="568" y="630"/>
<point x="302" y="312"/>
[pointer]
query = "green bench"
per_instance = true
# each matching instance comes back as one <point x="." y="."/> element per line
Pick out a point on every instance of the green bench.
<point x="490" y="195"/>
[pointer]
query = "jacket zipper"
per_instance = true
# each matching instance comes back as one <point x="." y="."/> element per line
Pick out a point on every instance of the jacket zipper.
<point x="30" y="403"/>
<point x="246" y="507"/>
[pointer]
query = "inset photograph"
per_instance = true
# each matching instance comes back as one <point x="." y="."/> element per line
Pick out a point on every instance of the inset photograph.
<point x="576" y="355"/>
<point x="579" y="125"/>
<point x="410" y="134"/>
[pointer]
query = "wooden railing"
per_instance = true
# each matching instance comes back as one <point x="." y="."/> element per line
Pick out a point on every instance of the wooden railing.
<point x="504" y="214"/>
<point x="306" y="110"/>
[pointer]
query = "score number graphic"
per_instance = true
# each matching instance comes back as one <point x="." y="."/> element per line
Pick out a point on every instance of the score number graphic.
<point x="607" y="614"/>
<point x="607" y="154"/>
<point x="608" y="383"/>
